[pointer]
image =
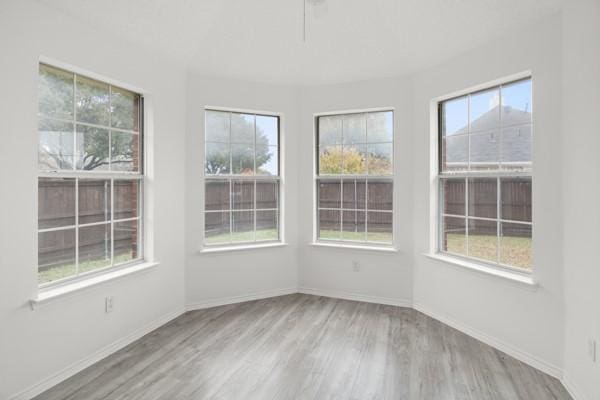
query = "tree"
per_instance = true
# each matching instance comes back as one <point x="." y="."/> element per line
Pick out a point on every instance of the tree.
<point x="351" y="161"/>
<point x="234" y="134"/>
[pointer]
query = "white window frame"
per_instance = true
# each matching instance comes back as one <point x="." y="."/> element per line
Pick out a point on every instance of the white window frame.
<point x="252" y="244"/>
<point x="367" y="245"/>
<point x="111" y="176"/>
<point x="436" y="201"/>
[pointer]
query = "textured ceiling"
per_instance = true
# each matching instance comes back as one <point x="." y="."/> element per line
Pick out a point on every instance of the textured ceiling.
<point x="262" y="40"/>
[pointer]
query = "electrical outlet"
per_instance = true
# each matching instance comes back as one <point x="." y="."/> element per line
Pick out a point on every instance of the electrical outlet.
<point x="592" y="349"/>
<point x="355" y="266"/>
<point x="109" y="304"/>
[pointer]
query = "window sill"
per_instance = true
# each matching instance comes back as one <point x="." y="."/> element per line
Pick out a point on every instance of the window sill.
<point x="54" y="292"/>
<point x="338" y="245"/>
<point x="514" y="277"/>
<point x="245" y="247"/>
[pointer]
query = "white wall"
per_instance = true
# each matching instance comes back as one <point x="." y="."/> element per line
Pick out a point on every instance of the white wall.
<point x="212" y="278"/>
<point x="528" y="322"/>
<point x="581" y="193"/>
<point x="34" y="345"/>
<point x="382" y="276"/>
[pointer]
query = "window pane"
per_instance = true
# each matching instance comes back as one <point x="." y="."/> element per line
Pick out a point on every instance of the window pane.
<point x="216" y="227"/>
<point x="379" y="227"/>
<point x="455" y="116"/>
<point x="329" y="224"/>
<point x="354" y="191"/>
<point x="242" y="194"/>
<point x="485" y="110"/>
<point x="55" y="145"/>
<point x="483" y="239"/>
<point x="55" y="88"/>
<point x="124" y="151"/>
<point x="267" y="130"/>
<point x="380" y="195"/>
<point x="217" y="126"/>
<point x="379" y="159"/>
<point x="354" y="159"/>
<point x="454" y="238"/>
<point x="126" y="199"/>
<point x="267" y="194"/>
<point x="94" y="247"/>
<point x="484" y="150"/>
<point x="329" y="194"/>
<point x="242" y="159"/>
<point x="267" y="162"/>
<point x="242" y="128"/>
<point x="125" y="109"/>
<point x="94" y="201"/>
<point x="330" y="160"/>
<point x="56" y="202"/>
<point x="516" y="103"/>
<point x="243" y="226"/>
<point x="216" y="196"/>
<point x="453" y="192"/>
<point x="126" y="241"/>
<point x="354" y="225"/>
<point x="330" y="130"/>
<point x="455" y="153"/>
<point x="266" y="225"/>
<point x="354" y="129"/>
<point x="516" y="245"/>
<point x="56" y="255"/>
<point x="217" y="159"/>
<point x="483" y="197"/>
<point x="380" y="127"/>
<point x="92" y="148"/>
<point x="516" y="199"/>
<point x="516" y="147"/>
<point x="92" y="101"/>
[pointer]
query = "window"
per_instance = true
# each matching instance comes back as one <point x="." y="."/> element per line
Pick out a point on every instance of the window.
<point x="354" y="181"/>
<point x="90" y="175"/>
<point x="242" y="181"/>
<point x="485" y="181"/>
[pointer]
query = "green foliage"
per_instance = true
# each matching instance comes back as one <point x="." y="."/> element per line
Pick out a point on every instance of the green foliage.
<point x="241" y="137"/>
<point x="351" y="161"/>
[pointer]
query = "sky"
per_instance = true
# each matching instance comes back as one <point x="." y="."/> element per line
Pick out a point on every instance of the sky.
<point x="517" y="95"/>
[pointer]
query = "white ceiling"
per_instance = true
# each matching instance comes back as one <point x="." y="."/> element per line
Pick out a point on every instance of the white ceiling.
<point x="261" y="40"/>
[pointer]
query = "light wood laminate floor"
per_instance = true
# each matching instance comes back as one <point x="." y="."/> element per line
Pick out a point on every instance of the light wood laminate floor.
<point x="307" y="347"/>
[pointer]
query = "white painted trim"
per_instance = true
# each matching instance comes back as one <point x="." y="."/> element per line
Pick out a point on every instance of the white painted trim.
<point x="64" y="290"/>
<point x="494" y="342"/>
<point x="574" y="390"/>
<point x="338" y="294"/>
<point x="519" y="279"/>
<point x="85" y="362"/>
<point x="247" y="246"/>
<point x="221" y="301"/>
<point x="338" y="244"/>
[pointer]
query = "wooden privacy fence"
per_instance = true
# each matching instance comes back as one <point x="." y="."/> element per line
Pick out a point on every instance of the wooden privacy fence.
<point x="56" y="199"/>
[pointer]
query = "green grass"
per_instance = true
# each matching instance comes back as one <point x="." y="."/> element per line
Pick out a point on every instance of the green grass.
<point x="514" y="251"/>
<point x="379" y="237"/>
<point x="239" y="237"/>
<point x="62" y="271"/>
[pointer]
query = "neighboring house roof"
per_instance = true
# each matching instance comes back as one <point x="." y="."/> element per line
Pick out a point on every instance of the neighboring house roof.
<point x="485" y="138"/>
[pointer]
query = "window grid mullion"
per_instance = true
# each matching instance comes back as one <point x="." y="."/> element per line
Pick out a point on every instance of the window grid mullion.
<point x="112" y="221"/>
<point x="498" y="231"/>
<point x="77" y="227"/>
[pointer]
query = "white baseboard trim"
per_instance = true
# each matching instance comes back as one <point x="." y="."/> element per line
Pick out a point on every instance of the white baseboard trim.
<point x="490" y="340"/>
<point x="572" y="388"/>
<point x="338" y="294"/>
<point x="221" y="301"/>
<point x="104" y="352"/>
